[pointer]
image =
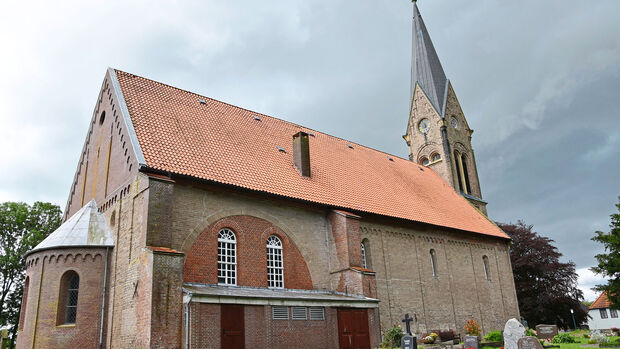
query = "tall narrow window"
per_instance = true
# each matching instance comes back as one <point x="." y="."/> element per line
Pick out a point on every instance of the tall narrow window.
<point x="485" y="265"/>
<point x="457" y="162"/>
<point x="613" y="313"/>
<point x="366" y="254"/>
<point x="68" y="298"/>
<point x="226" y="257"/>
<point x="22" y="315"/>
<point x="466" y="174"/>
<point x="275" y="266"/>
<point x="364" y="262"/>
<point x="603" y="313"/>
<point x="433" y="262"/>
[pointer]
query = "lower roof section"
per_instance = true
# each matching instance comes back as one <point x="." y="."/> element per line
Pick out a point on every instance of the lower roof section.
<point x="208" y="293"/>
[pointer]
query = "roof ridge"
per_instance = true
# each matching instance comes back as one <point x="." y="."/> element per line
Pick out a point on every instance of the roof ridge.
<point x="269" y="116"/>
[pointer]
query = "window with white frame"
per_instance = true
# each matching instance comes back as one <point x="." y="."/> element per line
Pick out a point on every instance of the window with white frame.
<point x="603" y="313"/>
<point x="485" y="264"/>
<point x="613" y="313"/>
<point x="364" y="263"/>
<point x="433" y="262"/>
<point x="275" y="266"/>
<point x="226" y="257"/>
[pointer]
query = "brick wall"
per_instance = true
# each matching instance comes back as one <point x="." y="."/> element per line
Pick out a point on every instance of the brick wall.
<point x="107" y="161"/>
<point x="45" y="270"/>
<point x="251" y="234"/>
<point x="263" y="332"/>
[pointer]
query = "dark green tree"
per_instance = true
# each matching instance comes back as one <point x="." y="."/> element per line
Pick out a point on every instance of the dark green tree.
<point x="609" y="262"/>
<point x="22" y="227"/>
<point x="546" y="288"/>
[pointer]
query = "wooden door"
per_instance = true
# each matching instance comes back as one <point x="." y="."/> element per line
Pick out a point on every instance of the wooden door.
<point x="232" y="327"/>
<point x="353" y="329"/>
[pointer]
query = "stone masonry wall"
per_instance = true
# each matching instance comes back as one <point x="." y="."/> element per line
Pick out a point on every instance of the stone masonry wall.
<point x="460" y="291"/>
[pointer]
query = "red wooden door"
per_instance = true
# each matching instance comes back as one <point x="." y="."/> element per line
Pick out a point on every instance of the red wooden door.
<point x="232" y="327"/>
<point x="353" y="329"/>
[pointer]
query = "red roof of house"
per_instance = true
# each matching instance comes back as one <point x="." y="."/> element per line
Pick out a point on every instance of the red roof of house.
<point x="223" y="143"/>
<point x="601" y="302"/>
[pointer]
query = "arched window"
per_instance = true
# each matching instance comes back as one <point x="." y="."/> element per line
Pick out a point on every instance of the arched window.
<point x="466" y="173"/>
<point x="275" y="266"/>
<point x="433" y="262"/>
<point x="68" y="299"/>
<point x="485" y="264"/>
<point x="459" y="170"/>
<point x="435" y="157"/>
<point x="226" y="257"/>
<point x="22" y="315"/>
<point x="366" y="260"/>
<point x="424" y="161"/>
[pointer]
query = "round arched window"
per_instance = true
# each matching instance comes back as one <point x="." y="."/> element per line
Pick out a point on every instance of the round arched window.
<point x="435" y="157"/>
<point x="424" y="161"/>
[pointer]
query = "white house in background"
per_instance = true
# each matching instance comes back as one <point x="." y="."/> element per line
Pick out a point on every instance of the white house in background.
<point x="601" y="316"/>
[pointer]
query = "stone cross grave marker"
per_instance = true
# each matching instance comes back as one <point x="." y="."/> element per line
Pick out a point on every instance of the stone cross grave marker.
<point x="529" y="342"/>
<point x="408" y="341"/>
<point x="407" y="320"/>
<point x="546" y="331"/>
<point x="470" y="342"/>
<point x="513" y="331"/>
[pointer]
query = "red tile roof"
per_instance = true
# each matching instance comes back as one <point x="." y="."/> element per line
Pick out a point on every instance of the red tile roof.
<point x="223" y="143"/>
<point x="601" y="302"/>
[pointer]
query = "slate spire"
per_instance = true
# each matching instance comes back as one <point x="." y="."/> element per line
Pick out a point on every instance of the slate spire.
<point x="426" y="69"/>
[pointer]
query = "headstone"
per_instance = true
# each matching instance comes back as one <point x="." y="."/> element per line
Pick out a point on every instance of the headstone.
<point x="546" y="331"/>
<point x="471" y="342"/>
<point x="513" y="331"/>
<point x="421" y="328"/>
<point x="529" y="342"/>
<point x="408" y="342"/>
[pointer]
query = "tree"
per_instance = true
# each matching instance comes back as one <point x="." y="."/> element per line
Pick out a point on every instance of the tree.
<point x="609" y="262"/>
<point x="22" y="227"/>
<point x="546" y="288"/>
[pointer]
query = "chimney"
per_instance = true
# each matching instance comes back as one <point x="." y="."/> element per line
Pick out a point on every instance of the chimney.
<point x="301" y="153"/>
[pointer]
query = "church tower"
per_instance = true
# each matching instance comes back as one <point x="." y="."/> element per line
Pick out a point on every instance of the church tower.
<point x="437" y="134"/>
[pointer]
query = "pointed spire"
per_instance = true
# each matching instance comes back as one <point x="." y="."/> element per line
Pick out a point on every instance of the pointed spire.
<point x="426" y="69"/>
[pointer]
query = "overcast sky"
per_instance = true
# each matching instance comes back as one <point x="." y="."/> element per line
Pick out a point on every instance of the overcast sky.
<point x="539" y="82"/>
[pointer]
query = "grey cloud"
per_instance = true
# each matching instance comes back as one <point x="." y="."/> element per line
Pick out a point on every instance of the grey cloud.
<point x="538" y="82"/>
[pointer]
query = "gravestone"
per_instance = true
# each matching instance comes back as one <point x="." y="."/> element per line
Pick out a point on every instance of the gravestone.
<point x="513" y="331"/>
<point x="546" y="331"/>
<point x="471" y="342"/>
<point x="408" y="342"/>
<point x="529" y="342"/>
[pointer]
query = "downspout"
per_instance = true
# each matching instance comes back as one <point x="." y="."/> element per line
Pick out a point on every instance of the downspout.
<point x="189" y="300"/>
<point x="105" y="279"/>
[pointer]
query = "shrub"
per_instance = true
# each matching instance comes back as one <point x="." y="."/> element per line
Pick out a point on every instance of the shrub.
<point x="472" y="328"/>
<point x="564" y="338"/>
<point x="600" y="338"/>
<point x="530" y="332"/>
<point x="494" y="336"/>
<point x="592" y="341"/>
<point x="392" y="337"/>
<point x="585" y="335"/>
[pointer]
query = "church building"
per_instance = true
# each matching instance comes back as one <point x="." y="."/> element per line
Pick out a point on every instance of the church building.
<point x="193" y="223"/>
